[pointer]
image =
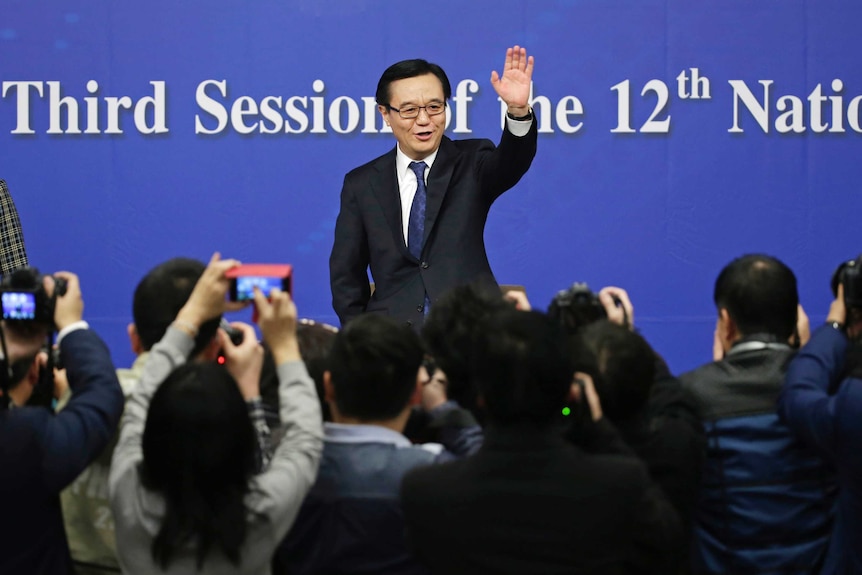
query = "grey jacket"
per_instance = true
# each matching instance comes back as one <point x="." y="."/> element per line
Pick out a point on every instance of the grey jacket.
<point x="275" y="495"/>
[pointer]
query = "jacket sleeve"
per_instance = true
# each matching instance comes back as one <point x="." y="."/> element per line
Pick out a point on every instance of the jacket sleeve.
<point x="457" y="430"/>
<point x="348" y="262"/>
<point x="657" y="531"/>
<point x="278" y="492"/>
<point x="78" y="434"/>
<point x="504" y="166"/>
<point x="171" y="352"/>
<point x="805" y="404"/>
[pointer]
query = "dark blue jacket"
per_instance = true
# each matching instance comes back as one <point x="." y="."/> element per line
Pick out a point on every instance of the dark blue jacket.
<point x="351" y="521"/>
<point x="833" y="424"/>
<point x="41" y="453"/>
<point x="766" y="501"/>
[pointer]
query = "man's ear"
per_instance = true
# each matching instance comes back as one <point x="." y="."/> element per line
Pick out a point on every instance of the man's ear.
<point x="384" y="111"/>
<point x="328" y="388"/>
<point x="727" y="329"/>
<point x="135" y="339"/>
<point x="421" y="380"/>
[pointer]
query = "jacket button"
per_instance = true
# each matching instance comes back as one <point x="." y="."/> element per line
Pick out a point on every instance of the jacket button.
<point x="409" y="323"/>
<point x="425" y="265"/>
<point x="419" y="308"/>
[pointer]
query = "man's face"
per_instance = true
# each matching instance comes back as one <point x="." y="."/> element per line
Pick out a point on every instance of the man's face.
<point x="420" y="136"/>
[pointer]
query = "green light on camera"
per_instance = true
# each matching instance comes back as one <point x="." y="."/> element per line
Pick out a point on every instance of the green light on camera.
<point x="566" y="411"/>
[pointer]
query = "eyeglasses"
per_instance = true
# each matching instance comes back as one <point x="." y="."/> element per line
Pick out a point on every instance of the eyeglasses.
<point x="410" y="112"/>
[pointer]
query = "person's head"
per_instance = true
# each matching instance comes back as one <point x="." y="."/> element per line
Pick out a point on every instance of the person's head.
<point x="448" y="334"/>
<point x="522" y="368"/>
<point x="373" y="371"/>
<point x="199" y="451"/>
<point x="755" y="294"/>
<point x="626" y="366"/>
<point x="414" y="87"/>
<point x="315" y="341"/>
<point x="159" y="297"/>
<point x="20" y="369"/>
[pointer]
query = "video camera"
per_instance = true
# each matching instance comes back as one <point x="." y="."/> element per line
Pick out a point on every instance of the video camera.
<point x="577" y="306"/>
<point x="24" y="299"/>
<point x="849" y="274"/>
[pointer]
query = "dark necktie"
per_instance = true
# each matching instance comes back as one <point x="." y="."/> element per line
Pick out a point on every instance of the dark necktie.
<point x="416" y="225"/>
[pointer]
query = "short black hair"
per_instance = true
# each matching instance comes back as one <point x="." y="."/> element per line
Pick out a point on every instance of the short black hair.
<point x="160" y="296"/>
<point x="409" y="69"/>
<point x="315" y="342"/>
<point x="522" y="368"/>
<point x="627" y="367"/>
<point x="448" y="334"/>
<point x="374" y="363"/>
<point x="759" y="293"/>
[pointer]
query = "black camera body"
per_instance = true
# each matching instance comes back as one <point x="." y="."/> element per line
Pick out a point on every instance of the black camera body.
<point x="577" y="306"/>
<point x="25" y="300"/>
<point x="849" y="274"/>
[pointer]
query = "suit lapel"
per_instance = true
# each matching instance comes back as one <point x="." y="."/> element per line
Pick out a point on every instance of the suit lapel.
<point x="438" y="184"/>
<point x="385" y="188"/>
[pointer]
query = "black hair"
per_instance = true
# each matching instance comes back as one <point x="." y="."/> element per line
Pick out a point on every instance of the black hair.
<point x="315" y="342"/>
<point x="409" y="69"/>
<point x="374" y="363"/>
<point x="199" y="451"/>
<point x="522" y="368"/>
<point x="627" y="366"/>
<point x="160" y="296"/>
<point x="448" y="334"/>
<point x="760" y="295"/>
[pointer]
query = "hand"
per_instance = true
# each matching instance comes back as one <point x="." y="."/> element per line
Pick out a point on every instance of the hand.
<point x="837" y="311"/>
<point x="622" y="314"/>
<point x="519" y="298"/>
<point x="582" y="380"/>
<point x="803" y="326"/>
<point x="243" y="361"/>
<point x="69" y="307"/>
<point x="207" y="300"/>
<point x="277" y="320"/>
<point x="514" y="86"/>
<point x="717" y="344"/>
<point x="433" y="389"/>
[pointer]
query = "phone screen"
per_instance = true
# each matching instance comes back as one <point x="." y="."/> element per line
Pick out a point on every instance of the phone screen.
<point x="245" y="286"/>
<point x="19" y="305"/>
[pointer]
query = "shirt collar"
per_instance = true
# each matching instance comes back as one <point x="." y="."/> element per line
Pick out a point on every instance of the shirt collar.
<point x="345" y="433"/>
<point x="402" y="161"/>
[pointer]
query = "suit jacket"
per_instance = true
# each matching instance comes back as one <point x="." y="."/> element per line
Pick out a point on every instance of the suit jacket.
<point x="41" y="453"/>
<point x="529" y="502"/>
<point x="12" y="254"/>
<point x="466" y="178"/>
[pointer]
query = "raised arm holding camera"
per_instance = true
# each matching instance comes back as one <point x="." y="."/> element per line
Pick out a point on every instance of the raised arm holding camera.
<point x="821" y="402"/>
<point x="41" y="452"/>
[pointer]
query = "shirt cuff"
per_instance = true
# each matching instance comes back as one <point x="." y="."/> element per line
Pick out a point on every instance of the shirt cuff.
<point x="70" y="328"/>
<point x="519" y="128"/>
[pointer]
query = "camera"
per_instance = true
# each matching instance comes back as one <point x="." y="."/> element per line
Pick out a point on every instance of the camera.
<point x="25" y="300"/>
<point x="849" y="274"/>
<point x="576" y="307"/>
<point x="265" y="277"/>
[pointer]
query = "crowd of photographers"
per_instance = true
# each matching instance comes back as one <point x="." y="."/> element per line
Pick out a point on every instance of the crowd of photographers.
<point x="499" y="439"/>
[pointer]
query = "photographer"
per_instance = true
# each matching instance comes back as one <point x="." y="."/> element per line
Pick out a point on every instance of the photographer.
<point x="829" y="418"/>
<point x="41" y="452"/>
<point x="184" y="492"/>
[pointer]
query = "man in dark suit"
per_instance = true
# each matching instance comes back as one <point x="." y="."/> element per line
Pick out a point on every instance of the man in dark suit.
<point x="416" y="215"/>
<point x="528" y="501"/>
<point x="41" y="453"/>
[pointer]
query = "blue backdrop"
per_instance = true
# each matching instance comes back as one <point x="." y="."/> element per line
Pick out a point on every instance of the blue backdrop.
<point x="762" y="155"/>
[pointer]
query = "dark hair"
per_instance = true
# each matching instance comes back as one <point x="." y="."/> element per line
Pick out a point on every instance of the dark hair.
<point x="374" y="363"/>
<point x="315" y="342"/>
<point x="521" y="366"/>
<point x="160" y="296"/>
<point x="409" y="69"/>
<point x="759" y="293"/>
<point x="199" y="452"/>
<point x="627" y="366"/>
<point x="448" y="334"/>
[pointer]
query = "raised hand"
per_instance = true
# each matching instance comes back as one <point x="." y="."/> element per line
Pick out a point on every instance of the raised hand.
<point x="513" y="86"/>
